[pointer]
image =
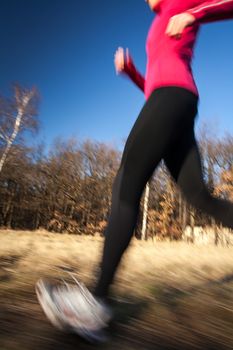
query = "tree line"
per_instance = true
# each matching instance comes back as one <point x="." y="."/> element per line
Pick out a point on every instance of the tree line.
<point x="68" y="188"/>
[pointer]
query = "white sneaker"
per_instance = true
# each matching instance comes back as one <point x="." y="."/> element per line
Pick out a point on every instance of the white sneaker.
<point x="71" y="307"/>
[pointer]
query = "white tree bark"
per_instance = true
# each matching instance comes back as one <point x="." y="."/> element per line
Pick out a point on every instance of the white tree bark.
<point x="192" y="222"/>
<point x="184" y="216"/>
<point x="22" y="104"/>
<point x="145" y="211"/>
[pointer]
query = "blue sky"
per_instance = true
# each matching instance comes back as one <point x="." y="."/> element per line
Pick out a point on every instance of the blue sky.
<point x="66" y="49"/>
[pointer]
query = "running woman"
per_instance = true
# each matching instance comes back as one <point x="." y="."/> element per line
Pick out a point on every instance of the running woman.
<point x="164" y="130"/>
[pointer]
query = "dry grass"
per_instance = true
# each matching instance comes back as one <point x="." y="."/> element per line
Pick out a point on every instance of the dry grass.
<point x="165" y="296"/>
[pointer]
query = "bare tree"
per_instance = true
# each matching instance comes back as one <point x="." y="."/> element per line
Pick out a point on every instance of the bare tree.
<point x="16" y="115"/>
<point x="145" y="211"/>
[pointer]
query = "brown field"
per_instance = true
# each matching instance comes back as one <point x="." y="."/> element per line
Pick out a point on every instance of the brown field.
<point x="165" y="296"/>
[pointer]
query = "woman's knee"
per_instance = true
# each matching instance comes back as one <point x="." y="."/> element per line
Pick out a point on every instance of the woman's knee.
<point x="127" y="185"/>
<point x="199" y="199"/>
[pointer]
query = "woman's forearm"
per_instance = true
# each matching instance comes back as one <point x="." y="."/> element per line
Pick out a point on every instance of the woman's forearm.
<point x="210" y="11"/>
<point x="135" y="76"/>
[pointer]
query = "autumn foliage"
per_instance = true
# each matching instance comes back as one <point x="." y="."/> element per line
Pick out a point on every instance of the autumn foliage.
<point x="68" y="187"/>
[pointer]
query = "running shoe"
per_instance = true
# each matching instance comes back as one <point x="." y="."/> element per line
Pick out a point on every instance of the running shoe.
<point x="72" y="308"/>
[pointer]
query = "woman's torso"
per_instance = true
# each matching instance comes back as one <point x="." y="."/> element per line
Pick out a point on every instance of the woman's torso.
<point x="169" y="59"/>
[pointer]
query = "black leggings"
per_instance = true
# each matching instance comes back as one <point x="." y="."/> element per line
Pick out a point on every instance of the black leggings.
<point x="163" y="130"/>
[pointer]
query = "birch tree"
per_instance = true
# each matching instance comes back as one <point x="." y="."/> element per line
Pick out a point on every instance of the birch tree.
<point x="145" y="211"/>
<point x="15" y="115"/>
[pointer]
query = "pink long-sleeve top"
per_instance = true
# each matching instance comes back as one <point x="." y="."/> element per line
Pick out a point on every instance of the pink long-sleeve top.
<point x="169" y="59"/>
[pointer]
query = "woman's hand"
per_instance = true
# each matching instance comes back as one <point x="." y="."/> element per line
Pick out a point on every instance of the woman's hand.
<point x="122" y="60"/>
<point x="124" y="64"/>
<point x="178" y="23"/>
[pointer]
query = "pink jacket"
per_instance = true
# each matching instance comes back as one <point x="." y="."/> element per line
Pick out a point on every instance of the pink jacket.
<point x="169" y="59"/>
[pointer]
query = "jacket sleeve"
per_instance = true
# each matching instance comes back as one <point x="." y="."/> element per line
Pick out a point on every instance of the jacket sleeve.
<point x="215" y="10"/>
<point x="134" y="75"/>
